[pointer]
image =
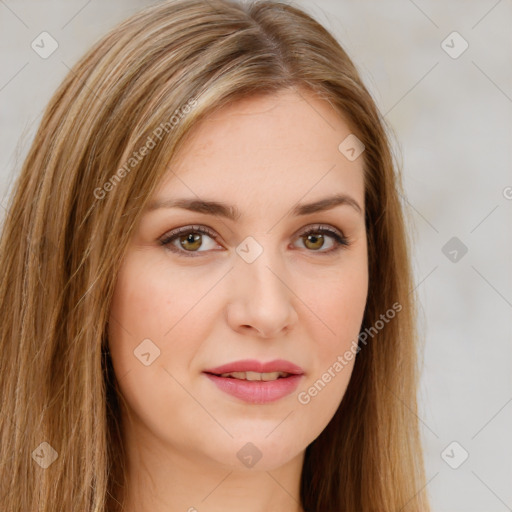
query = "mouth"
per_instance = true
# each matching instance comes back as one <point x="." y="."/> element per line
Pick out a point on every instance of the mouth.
<point x="253" y="376"/>
<point x="255" y="382"/>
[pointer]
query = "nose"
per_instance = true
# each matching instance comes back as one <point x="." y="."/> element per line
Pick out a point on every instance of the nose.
<point x="262" y="301"/>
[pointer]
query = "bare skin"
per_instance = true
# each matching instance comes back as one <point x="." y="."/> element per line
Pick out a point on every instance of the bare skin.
<point x="203" y="305"/>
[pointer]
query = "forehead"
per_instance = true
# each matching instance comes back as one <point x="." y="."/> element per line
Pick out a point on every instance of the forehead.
<point x="263" y="151"/>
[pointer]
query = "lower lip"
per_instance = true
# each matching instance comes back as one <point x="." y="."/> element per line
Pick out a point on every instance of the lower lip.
<point x="256" y="392"/>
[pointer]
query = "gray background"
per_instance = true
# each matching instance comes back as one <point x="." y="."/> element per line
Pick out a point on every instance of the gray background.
<point x="452" y="120"/>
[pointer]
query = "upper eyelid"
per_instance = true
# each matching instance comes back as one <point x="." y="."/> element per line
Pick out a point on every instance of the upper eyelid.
<point x="213" y="234"/>
<point x="191" y="228"/>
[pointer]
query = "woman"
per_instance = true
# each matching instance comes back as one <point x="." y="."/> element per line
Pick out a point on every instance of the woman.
<point x="210" y="201"/>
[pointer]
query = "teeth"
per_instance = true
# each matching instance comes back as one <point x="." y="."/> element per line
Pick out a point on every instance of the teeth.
<point x="255" y="375"/>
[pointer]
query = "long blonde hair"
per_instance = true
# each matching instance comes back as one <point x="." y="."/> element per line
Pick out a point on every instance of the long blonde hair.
<point x="79" y="195"/>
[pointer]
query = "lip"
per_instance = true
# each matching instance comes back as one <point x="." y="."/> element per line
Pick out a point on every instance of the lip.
<point x="252" y="365"/>
<point x="257" y="392"/>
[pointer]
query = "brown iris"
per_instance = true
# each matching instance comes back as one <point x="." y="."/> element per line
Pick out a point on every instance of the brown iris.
<point x="191" y="238"/>
<point x="314" y="240"/>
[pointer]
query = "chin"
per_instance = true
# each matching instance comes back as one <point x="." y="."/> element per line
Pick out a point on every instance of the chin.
<point x="256" y="452"/>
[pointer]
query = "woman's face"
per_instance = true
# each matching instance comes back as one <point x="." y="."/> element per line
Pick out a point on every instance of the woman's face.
<point x="253" y="287"/>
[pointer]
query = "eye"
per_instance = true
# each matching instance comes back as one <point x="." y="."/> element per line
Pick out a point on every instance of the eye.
<point x="187" y="240"/>
<point x="315" y="237"/>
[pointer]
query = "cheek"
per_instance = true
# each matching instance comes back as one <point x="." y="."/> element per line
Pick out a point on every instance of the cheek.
<point x="158" y="311"/>
<point x="342" y="306"/>
<point x="155" y="319"/>
<point x="150" y="301"/>
<point x="339" y="305"/>
<point x="338" y="300"/>
<point x="140" y="298"/>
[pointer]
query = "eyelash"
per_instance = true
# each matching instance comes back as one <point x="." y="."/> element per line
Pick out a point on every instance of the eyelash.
<point x="341" y="241"/>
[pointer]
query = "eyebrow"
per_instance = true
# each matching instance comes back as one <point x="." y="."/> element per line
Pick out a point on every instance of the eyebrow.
<point x="231" y="212"/>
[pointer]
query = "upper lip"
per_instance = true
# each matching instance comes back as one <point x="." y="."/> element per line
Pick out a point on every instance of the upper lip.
<point x="252" y="365"/>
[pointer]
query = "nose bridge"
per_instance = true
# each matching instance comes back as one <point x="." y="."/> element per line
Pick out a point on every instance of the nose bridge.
<point x="263" y="299"/>
<point x="263" y="270"/>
